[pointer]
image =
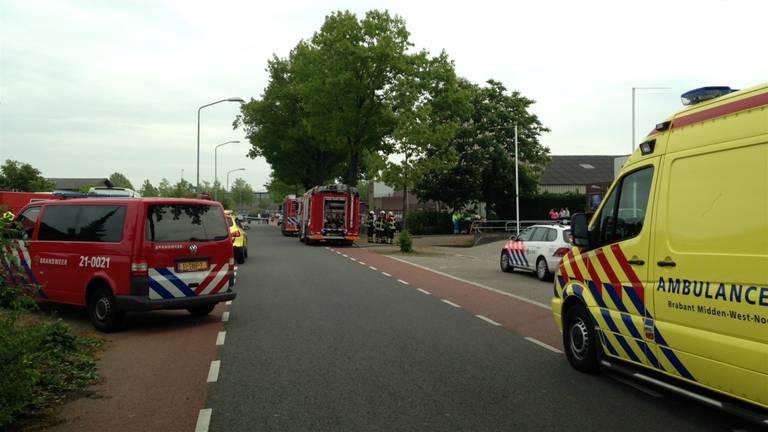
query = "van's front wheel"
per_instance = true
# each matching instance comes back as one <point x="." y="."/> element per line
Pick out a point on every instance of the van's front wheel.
<point x="200" y="311"/>
<point x="580" y="339"/>
<point x="103" y="311"/>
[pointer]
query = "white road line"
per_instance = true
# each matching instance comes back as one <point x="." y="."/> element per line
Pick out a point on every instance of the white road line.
<point x="225" y="316"/>
<point x="386" y="274"/>
<point x="543" y="345"/>
<point x="424" y="291"/>
<point x="450" y="303"/>
<point x="488" y="320"/>
<point x="345" y="255"/>
<point x="337" y="252"/>
<point x="229" y="302"/>
<point x="354" y="259"/>
<point x="213" y="372"/>
<point x="373" y="268"/>
<point x="361" y="263"/>
<point x="203" y="420"/>
<point x="220" y="338"/>
<point x="479" y="285"/>
<point x="403" y="282"/>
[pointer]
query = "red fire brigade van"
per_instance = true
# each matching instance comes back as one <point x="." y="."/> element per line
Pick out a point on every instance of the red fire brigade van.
<point x="290" y="225"/>
<point x="114" y="255"/>
<point x="330" y="213"/>
<point x="15" y="201"/>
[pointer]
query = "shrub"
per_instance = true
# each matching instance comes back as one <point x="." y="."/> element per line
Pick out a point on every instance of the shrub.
<point x="405" y="241"/>
<point x="426" y="222"/>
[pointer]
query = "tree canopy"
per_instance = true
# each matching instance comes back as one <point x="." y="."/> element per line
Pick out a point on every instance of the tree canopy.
<point x="119" y="180"/>
<point x="23" y="177"/>
<point x="147" y="190"/>
<point x="241" y="193"/>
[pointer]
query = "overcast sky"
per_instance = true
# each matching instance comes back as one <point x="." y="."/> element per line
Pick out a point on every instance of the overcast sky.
<point x="88" y="88"/>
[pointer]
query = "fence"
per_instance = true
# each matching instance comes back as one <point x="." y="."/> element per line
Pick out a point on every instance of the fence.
<point x="485" y="226"/>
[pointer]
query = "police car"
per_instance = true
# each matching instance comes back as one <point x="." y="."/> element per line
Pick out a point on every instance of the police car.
<point x="539" y="248"/>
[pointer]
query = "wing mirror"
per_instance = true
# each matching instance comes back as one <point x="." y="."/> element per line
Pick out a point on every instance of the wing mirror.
<point x="580" y="230"/>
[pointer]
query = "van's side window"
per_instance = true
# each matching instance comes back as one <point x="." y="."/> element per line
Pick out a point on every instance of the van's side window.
<point x="27" y="221"/>
<point x="624" y="219"/>
<point x="82" y="223"/>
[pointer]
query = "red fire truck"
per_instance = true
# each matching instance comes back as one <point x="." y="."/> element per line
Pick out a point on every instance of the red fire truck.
<point x="330" y="213"/>
<point x="14" y="201"/>
<point x="290" y="225"/>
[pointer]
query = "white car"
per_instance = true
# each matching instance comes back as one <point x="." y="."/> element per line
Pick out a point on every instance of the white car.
<point x="538" y="248"/>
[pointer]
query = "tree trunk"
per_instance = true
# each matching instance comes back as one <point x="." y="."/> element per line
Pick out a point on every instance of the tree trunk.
<point x="405" y="191"/>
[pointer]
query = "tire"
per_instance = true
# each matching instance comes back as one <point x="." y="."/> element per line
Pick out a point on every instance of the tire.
<point x="542" y="270"/>
<point x="245" y="251"/>
<point x="103" y="311"/>
<point x="506" y="265"/>
<point x="200" y="311"/>
<point x="582" y="348"/>
<point x="239" y="258"/>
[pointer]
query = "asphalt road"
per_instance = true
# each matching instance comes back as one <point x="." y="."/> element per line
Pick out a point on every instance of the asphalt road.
<point x="318" y="342"/>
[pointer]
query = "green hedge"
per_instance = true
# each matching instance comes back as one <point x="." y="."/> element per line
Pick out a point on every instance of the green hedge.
<point x="426" y="222"/>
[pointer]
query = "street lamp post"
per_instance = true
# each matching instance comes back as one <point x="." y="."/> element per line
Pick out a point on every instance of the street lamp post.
<point x="216" y="168"/>
<point x="230" y="172"/>
<point x="633" y="108"/>
<point x="197" y="185"/>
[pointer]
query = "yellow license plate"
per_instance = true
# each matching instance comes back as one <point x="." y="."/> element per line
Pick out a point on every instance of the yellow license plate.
<point x="191" y="266"/>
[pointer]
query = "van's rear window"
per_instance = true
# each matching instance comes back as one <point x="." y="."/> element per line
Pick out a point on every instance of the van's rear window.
<point x="185" y="222"/>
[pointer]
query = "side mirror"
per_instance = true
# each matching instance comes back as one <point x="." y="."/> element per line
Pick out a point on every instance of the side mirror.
<point x="580" y="230"/>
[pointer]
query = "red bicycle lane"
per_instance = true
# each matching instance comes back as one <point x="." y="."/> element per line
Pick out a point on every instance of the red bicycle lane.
<point x="523" y="318"/>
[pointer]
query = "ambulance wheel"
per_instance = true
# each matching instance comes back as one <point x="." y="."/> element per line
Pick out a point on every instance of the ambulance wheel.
<point x="506" y="266"/>
<point x="103" y="311"/>
<point x="580" y="339"/>
<point x="245" y="251"/>
<point x="542" y="271"/>
<point x="200" y="311"/>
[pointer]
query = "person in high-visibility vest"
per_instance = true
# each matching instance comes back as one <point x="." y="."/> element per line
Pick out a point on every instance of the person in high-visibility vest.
<point x="369" y="221"/>
<point x="390" y="228"/>
<point x="8" y="217"/>
<point x="380" y="221"/>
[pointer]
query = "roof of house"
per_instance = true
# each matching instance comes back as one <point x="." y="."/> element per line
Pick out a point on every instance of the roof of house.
<point x="579" y="170"/>
<point x="74" y="184"/>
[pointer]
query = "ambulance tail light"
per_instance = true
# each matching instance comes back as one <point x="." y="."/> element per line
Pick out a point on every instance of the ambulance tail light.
<point x="236" y="234"/>
<point x="560" y="252"/>
<point x="139" y="267"/>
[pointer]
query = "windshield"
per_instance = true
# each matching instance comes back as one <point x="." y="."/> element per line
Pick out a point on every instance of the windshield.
<point x="185" y="222"/>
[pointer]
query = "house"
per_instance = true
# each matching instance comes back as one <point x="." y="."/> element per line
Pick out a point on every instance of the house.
<point x="78" y="184"/>
<point x="589" y="175"/>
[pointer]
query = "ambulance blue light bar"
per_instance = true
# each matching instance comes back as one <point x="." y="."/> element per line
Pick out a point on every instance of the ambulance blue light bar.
<point x="704" y="94"/>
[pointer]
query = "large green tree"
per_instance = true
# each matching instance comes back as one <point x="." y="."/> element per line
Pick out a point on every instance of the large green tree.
<point x="334" y="106"/>
<point x="278" y="189"/>
<point x="478" y="164"/>
<point x="241" y="193"/>
<point x="22" y="177"/>
<point x="147" y="190"/>
<point x="119" y="180"/>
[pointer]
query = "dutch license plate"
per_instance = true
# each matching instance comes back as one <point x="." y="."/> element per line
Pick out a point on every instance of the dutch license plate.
<point x="191" y="266"/>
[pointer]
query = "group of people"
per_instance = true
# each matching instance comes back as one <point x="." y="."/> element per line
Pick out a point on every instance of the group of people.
<point x="564" y="213"/>
<point x="381" y="229"/>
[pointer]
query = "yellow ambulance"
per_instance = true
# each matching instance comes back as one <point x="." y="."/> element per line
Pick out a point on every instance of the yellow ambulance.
<point x="671" y="272"/>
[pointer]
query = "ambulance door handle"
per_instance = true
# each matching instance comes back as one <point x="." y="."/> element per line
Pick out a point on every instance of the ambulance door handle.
<point x="636" y="262"/>
<point x="669" y="263"/>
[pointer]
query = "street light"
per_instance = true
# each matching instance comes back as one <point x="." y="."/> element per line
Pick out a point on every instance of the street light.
<point x="230" y="172"/>
<point x="197" y="186"/>
<point x="633" y="108"/>
<point x="216" y="168"/>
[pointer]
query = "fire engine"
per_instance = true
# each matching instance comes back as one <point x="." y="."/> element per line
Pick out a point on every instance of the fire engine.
<point x="290" y="225"/>
<point x="15" y="201"/>
<point x="330" y="213"/>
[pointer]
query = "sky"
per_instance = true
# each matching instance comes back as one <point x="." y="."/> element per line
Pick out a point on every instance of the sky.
<point x="88" y="88"/>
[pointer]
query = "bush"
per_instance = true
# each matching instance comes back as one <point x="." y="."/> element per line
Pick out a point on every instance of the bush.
<point x="426" y="222"/>
<point x="405" y="241"/>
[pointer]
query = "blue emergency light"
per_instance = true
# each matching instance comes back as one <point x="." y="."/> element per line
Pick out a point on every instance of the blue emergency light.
<point x="702" y="94"/>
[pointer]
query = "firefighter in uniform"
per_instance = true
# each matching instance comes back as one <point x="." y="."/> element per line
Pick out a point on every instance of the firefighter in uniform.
<point x="380" y="226"/>
<point x="369" y="221"/>
<point x="391" y="228"/>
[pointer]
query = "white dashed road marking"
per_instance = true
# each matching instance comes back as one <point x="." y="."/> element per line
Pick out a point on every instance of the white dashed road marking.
<point x="225" y="316"/>
<point x="450" y="303"/>
<point x="229" y="302"/>
<point x="543" y="345"/>
<point x="386" y="274"/>
<point x="361" y="263"/>
<point x="488" y="320"/>
<point x="213" y="372"/>
<point x="372" y="268"/>
<point x="220" y="338"/>
<point x="423" y="291"/>
<point x="203" y="420"/>
<point x="403" y="282"/>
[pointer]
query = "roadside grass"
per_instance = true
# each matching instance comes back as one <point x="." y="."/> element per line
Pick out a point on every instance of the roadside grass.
<point x="43" y="363"/>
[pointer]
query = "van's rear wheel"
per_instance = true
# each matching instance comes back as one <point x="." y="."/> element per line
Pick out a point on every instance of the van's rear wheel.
<point x="103" y="311"/>
<point x="580" y="339"/>
<point x="199" y="311"/>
